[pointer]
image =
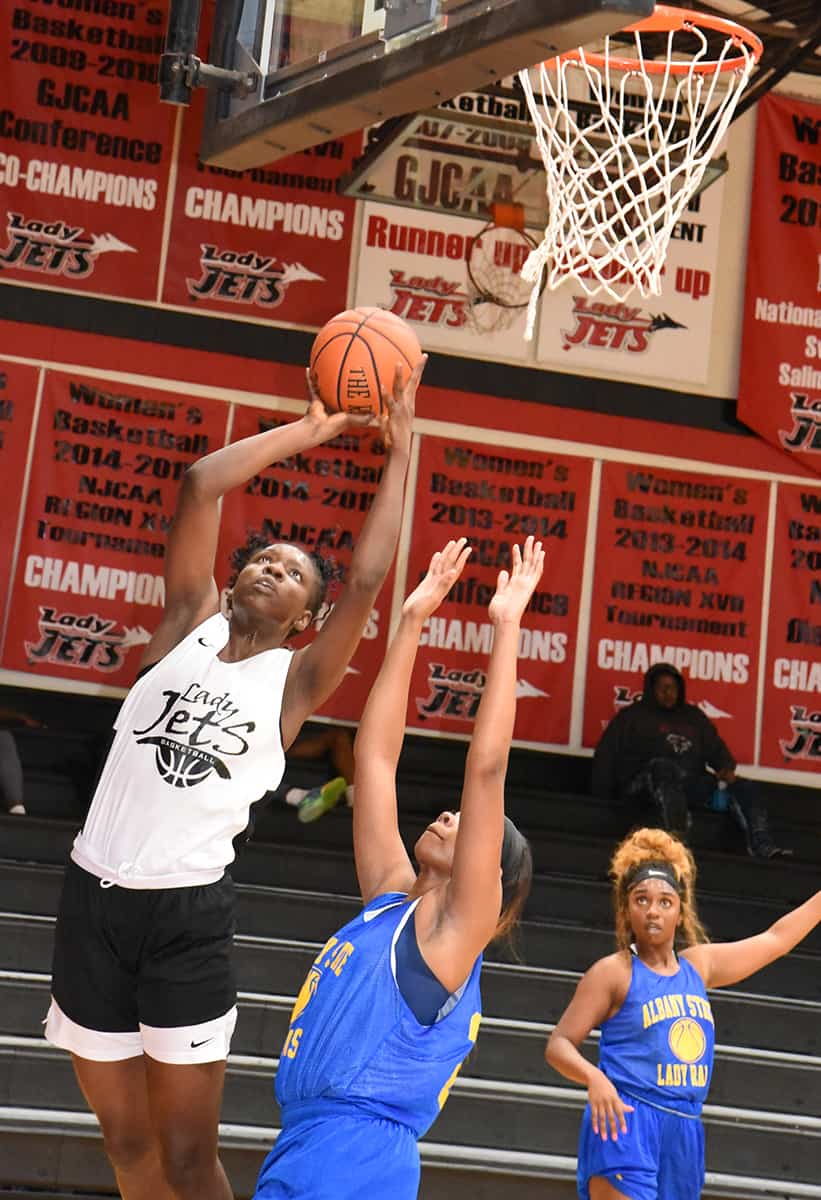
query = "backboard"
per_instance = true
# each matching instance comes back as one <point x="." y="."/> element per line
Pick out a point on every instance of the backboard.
<point x="466" y="158"/>
<point x="461" y="160"/>
<point x="329" y="67"/>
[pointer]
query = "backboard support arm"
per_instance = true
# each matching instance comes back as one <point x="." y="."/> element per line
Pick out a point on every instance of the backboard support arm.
<point x="181" y="69"/>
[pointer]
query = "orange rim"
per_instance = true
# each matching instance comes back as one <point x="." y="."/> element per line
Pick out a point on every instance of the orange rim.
<point x="666" y="20"/>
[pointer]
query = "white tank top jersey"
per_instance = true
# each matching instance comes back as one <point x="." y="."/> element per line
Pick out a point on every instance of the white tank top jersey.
<point x="197" y="742"/>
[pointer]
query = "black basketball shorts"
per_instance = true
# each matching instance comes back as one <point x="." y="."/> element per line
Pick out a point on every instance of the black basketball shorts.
<point x="143" y="971"/>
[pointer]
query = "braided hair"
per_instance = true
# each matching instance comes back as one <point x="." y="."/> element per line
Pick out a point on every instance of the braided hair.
<point x="326" y="570"/>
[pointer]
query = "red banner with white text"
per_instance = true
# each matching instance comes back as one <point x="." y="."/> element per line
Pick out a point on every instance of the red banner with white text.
<point x="85" y="146"/>
<point x="495" y="496"/>
<point x="678" y="566"/>
<point x="18" y="393"/>
<point x="88" y="588"/>
<point x="791" y="728"/>
<point x="318" y="499"/>
<point x="779" y="393"/>
<point x="678" y="579"/>
<point x="86" y="150"/>
<point x="272" y="243"/>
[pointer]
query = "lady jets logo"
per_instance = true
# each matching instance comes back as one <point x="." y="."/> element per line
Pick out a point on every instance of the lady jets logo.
<point x="193" y="735"/>
<point x="55" y="247"/>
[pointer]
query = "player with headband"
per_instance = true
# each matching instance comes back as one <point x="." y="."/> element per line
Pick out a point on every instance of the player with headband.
<point x="641" y="1136"/>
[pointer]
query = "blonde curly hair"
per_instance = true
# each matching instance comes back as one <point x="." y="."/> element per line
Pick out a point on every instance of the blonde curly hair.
<point x="655" y="845"/>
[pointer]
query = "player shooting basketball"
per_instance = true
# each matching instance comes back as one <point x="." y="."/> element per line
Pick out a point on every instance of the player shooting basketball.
<point x="143" y="993"/>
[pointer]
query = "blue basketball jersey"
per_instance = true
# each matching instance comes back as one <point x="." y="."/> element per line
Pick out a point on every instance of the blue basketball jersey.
<point x="352" y="1037"/>
<point x="659" y="1045"/>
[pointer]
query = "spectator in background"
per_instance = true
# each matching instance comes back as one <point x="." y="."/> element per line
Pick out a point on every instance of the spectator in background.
<point x="656" y="753"/>
<point x="334" y="742"/>
<point x="11" y="769"/>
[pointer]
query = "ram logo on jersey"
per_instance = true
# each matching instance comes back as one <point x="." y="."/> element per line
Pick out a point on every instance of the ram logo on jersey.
<point x="332" y="957"/>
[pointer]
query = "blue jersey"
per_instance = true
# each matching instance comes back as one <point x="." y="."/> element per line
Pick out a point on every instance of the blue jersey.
<point x="353" y="1039"/>
<point x="659" y="1045"/>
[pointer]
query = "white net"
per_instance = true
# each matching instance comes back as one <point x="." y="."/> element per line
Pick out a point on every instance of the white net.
<point x="495" y="286"/>
<point x="484" y="316"/>
<point x="622" y="167"/>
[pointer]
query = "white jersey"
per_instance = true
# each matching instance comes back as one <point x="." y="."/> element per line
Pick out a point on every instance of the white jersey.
<point x="197" y="742"/>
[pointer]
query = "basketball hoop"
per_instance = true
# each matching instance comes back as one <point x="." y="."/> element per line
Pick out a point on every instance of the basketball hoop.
<point x="495" y="286"/>
<point x="626" y="139"/>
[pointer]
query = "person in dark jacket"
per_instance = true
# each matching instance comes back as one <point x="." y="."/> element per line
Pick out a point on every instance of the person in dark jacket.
<point x="656" y="753"/>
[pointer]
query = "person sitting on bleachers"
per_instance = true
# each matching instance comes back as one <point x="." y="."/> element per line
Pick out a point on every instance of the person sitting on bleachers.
<point x="331" y="742"/>
<point x="655" y="754"/>
<point x="11" y="769"/>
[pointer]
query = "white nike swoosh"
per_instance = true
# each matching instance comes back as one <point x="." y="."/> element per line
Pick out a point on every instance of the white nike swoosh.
<point x="375" y="912"/>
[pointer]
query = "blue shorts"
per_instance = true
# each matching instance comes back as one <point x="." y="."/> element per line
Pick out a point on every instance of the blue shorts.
<point x="661" y="1157"/>
<point x="341" y="1157"/>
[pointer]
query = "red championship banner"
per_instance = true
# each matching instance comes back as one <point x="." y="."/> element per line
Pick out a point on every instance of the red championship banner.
<point x="272" y="243"/>
<point x="88" y="588"/>
<point x="318" y="500"/>
<point x="791" y="729"/>
<point x="780" y="383"/>
<point x="18" y="391"/>
<point x="495" y="496"/>
<point x="85" y="145"/>
<point x="678" y="579"/>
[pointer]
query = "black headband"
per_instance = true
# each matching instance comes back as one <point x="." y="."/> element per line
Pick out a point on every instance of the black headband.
<point x="652" y="870"/>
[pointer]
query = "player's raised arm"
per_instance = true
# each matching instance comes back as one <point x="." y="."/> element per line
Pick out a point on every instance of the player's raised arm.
<point x="474" y="893"/>
<point x="723" y="963"/>
<point x="190" y="588"/>
<point x="473" y="899"/>
<point x="319" y="667"/>
<point x="382" y="864"/>
<point x="604" y="781"/>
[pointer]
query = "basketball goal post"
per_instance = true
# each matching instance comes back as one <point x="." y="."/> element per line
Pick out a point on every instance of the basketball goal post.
<point x="627" y="132"/>
<point x="618" y="182"/>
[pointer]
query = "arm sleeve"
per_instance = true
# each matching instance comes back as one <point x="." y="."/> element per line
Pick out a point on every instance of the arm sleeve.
<point x="605" y="760"/>
<point x="716" y="752"/>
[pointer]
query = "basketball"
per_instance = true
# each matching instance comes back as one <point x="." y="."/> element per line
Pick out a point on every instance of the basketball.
<point x="177" y="766"/>
<point x="354" y="358"/>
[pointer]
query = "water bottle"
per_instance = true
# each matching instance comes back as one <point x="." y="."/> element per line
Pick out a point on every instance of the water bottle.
<point x="719" y="799"/>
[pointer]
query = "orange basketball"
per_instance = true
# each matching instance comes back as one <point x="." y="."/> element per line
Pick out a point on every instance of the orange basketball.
<point x="354" y="357"/>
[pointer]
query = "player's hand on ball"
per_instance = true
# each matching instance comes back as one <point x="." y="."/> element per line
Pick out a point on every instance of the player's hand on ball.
<point x="515" y="587"/>
<point x="325" y="424"/>
<point x="445" y="568"/>
<point x="400" y="405"/>
<point x="607" y="1108"/>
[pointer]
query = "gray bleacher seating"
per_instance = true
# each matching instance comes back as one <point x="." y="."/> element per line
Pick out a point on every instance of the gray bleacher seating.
<point x="510" y="1125"/>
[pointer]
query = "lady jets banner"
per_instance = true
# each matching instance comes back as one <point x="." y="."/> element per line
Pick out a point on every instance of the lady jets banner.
<point x="780" y="384"/>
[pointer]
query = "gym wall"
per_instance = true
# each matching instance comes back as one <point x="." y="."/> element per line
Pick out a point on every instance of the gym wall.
<point x="151" y="309"/>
